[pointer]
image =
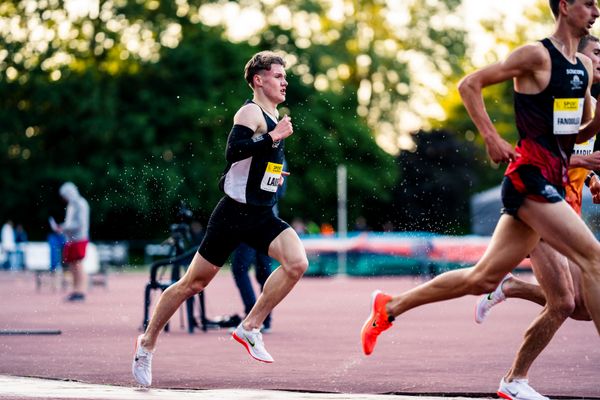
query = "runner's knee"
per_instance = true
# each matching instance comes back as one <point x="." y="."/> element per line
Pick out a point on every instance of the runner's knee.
<point x="296" y="268"/>
<point x="581" y="312"/>
<point x="563" y="307"/>
<point x="479" y="283"/>
<point x="191" y="286"/>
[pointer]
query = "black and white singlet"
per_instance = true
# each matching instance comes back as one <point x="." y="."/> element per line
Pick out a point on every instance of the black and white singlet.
<point x="253" y="180"/>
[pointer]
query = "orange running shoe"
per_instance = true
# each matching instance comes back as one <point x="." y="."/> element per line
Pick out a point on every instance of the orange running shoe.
<point x="377" y="322"/>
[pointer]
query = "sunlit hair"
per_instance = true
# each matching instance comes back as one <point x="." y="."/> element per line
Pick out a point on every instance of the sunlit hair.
<point x="261" y="62"/>
<point x="585" y="41"/>
<point x="554" y="6"/>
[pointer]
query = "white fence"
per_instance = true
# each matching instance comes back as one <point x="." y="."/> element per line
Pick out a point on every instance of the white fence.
<point x="37" y="257"/>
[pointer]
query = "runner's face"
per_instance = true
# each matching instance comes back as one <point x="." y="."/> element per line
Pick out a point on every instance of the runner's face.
<point x="582" y="14"/>
<point x="274" y="84"/>
<point x="592" y="50"/>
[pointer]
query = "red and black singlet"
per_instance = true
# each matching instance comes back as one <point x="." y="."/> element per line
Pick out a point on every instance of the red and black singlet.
<point x="548" y="122"/>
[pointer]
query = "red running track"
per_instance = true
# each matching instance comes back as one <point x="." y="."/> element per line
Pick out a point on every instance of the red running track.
<point x="436" y="349"/>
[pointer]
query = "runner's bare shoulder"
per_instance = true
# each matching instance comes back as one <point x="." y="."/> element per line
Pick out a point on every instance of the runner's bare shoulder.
<point x="249" y="115"/>
<point x="532" y="56"/>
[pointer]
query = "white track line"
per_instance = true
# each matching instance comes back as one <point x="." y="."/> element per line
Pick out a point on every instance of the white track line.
<point x="36" y="388"/>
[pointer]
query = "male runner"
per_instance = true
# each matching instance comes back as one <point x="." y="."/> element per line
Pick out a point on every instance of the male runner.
<point x="245" y="214"/>
<point x="559" y="290"/>
<point x="551" y="100"/>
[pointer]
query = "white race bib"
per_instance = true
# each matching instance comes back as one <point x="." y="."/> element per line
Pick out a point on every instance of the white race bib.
<point x="270" y="181"/>
<point x="586" y="148"/>
<point x="567" y="116"/>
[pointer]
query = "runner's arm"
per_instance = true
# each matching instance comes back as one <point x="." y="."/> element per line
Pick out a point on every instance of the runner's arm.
<point x="523" y="62"/>
<point x="591" y="161"/>
<point x="595" y="189"/>
<point x="590" y="126"/>
<point x="588" y="130"/>
<point x="70" y="224"/>
<point x="242" y="142"/>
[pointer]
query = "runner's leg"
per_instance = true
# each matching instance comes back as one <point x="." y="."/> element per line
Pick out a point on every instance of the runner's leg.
<point x="581" y="312"/>
<point x="196" y="278"/>
<point x="552" y="272"/>
<point x="511" y="242"/>
<point x="289" y="251"/>
<point x="575" y="241"/>
<point x="515" y="288"/>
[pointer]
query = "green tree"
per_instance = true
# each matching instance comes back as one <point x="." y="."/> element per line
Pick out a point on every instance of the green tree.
<point x="438" y="177"/>
<point x="140" y="137"/>
<point x="385" y="54"/>
<point x="366" y="56"/>
<point x="134" y="101"/>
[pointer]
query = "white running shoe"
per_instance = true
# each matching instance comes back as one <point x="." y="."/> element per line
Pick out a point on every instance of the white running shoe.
<point x="487" y="301"/>
<point x="518" y="389"/>
<point x="253" y="342"/>
<point x="142" y="364"/>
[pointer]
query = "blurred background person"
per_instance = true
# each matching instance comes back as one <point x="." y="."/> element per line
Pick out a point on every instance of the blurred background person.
<point x="196" y="232"/>
<point x="299" y="226"/>
<point x="76" y="231"/>
<point x="360" y="224"/>
<point x="312" y="228"/>
<point x="244" y="257"/>
<point x="327" y="229"/>
<point x="9" y="245"/>
<point x="20" y="240"/>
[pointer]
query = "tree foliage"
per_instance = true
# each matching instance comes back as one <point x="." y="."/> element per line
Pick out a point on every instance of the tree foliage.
<point x="436" y="177"/>
<point x="393" y="57"/>
<point x="133" y="102"/>
<point x="140" y="139"/>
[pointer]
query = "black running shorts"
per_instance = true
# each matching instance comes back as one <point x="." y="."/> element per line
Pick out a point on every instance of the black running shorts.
<point x="232" y="223"/>
<point x="527" y="182"/>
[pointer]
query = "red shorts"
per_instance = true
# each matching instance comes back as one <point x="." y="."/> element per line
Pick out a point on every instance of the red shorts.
<point x="74" y="251"/>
